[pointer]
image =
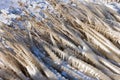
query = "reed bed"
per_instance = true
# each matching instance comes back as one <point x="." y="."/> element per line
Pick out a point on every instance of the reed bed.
<point x="75" y="42"/>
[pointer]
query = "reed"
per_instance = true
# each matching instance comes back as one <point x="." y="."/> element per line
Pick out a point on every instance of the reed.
<point x="79" y="42"/>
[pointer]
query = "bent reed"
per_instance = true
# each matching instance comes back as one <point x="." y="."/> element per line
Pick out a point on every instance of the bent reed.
<point x="74" y="42"/>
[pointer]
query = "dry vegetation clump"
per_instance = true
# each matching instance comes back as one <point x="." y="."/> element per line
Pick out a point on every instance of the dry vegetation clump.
<point x="79" y="42"/>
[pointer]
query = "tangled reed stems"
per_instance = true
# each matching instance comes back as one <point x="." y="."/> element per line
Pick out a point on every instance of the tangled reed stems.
<point x="79" y="42"/>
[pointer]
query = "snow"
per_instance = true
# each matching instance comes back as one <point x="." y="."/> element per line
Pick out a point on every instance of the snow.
<point x="115" y="6"/>
<point x="7" y="18"/>
<point x="10" y="9"/>
<point x="7" y="3"/>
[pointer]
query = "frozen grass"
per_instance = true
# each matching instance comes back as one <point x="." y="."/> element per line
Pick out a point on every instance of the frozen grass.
<point x="67" y="41"/>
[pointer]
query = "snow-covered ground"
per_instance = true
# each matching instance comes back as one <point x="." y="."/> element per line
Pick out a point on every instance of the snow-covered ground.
<point x="14" y="3"/>
<point x="10" y="10"/>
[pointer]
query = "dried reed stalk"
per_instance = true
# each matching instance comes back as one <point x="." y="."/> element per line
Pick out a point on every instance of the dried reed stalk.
<point x="72" y="40"/>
